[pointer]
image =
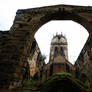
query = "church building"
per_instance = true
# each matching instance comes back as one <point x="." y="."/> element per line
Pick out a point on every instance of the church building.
<point x="58" y="61"/>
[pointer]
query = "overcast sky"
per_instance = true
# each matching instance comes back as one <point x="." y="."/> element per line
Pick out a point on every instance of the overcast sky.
<point x="8" y="10"/>
<point x="75" y="33"/>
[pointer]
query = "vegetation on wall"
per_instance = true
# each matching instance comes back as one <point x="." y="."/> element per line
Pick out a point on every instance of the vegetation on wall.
<point x="63" y="81"/>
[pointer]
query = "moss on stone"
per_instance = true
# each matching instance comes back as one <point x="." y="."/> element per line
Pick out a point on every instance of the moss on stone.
<point x="63" y="81"/>
<point x="34" y="85"/>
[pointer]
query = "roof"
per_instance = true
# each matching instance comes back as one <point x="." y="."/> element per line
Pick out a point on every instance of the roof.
<point x="62" y="59"/>
<point x="59" y="59"/>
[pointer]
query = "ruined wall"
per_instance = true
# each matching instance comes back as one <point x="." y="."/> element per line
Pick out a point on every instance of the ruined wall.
<point x="35" y="59"/>
<point x="84" y="61"/>
<point x="11" y="68"/>
<point x="15" y="44"/>
<point x="9" y="64"/>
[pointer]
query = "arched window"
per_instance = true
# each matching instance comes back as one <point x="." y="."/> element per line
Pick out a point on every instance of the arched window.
<point x="61" y="51"/>
<point x="56" y="51"/>
<point x="67" y="68"/>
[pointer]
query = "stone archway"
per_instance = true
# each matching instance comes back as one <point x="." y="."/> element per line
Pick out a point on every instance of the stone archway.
<point x="21" y="35"/>
<point x="61" y="82"/>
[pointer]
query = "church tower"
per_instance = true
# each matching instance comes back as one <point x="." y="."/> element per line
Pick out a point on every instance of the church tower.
<point x="58" y="62"/>
<point x="59" y="47"/>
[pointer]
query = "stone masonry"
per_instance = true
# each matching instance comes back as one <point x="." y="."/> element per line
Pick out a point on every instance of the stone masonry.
<point x="15" y="44"/>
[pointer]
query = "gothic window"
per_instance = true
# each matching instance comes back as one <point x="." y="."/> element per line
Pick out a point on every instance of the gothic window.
<point x="67" y="68"/>
<point x="39" y="58"/>
<point x="61" y="51"/>
<point x="56" y="51"/>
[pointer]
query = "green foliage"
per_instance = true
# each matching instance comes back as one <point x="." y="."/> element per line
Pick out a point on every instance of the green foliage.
<point x="90" y="85"/>
<point x="62" y="80"/>
<point x="26" y="82"/>
<point x="87" y="84"/>
<point x="58" y="80"/>
<point x="31" y="84"/>
<point x="43" y="79"/>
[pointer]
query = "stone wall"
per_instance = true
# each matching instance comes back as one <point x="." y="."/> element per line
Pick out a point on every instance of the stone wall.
<point x="84" y="61"/>
<point x="15" y="44"/>
<point x="9" y="64"/>
<point x="35" y="59"/>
